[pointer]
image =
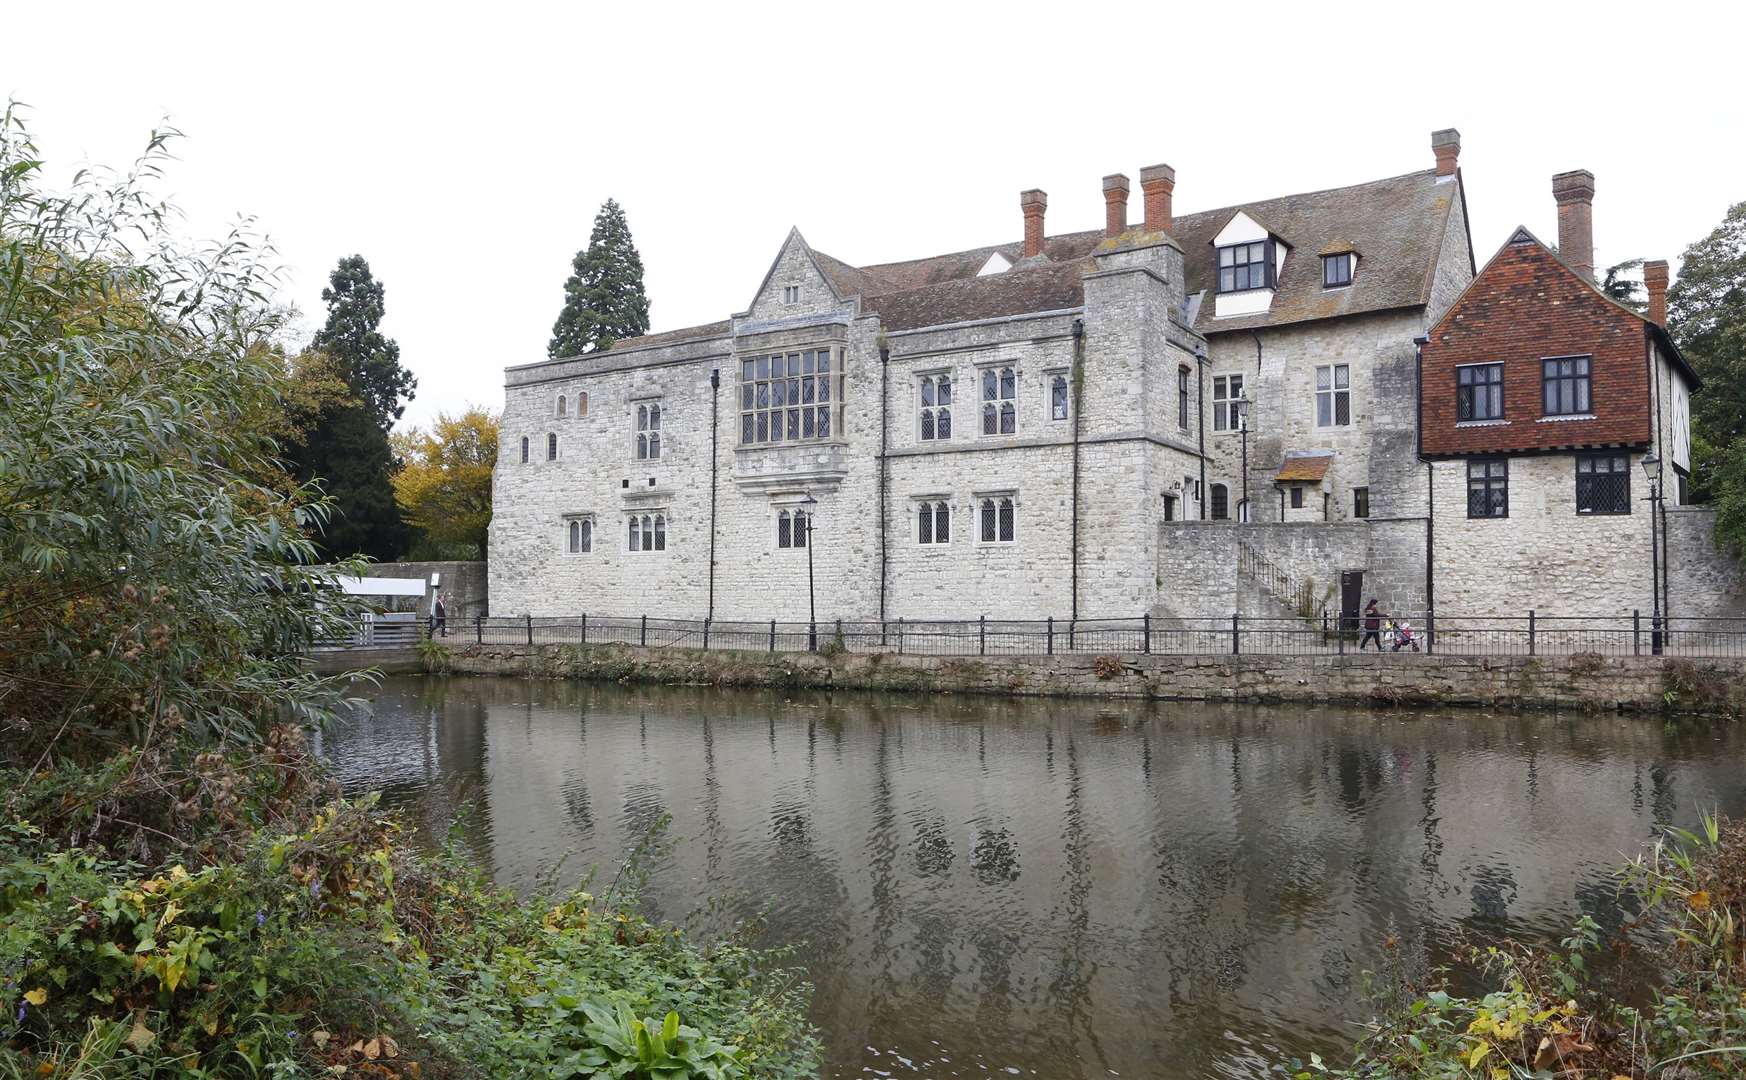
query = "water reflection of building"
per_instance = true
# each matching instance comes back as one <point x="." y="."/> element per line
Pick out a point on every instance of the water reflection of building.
<point x="1061" y="884"/>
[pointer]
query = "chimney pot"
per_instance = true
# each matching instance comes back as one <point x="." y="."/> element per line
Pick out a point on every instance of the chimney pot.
<point x="1446" y="145"/>
<point x="1157" y="183"/>
<point x="1655" y="283"/>
<point x="1574" y="192"/>
<point x="1115" y="204"/>
<point x="1033" y="203"/>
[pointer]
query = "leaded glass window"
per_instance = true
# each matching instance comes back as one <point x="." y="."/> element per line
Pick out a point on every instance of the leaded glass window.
<point x="648" y="432"/>
<point x="936" y="407"/>
<point x="790" y="397"/>
<point x="999" y="401"/>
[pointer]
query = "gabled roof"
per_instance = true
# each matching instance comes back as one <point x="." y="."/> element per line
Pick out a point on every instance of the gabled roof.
<point x="1523" y="236"/>
<point x="1398" y="224"/>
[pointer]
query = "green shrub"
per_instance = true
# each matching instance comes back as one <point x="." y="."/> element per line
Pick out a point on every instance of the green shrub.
<point x="1551" y="1013"/>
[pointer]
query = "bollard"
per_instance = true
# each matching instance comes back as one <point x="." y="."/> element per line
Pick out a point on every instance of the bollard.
<point x="645" y="632"/>
<point x="584" y="628"/>
<point x="772" y="635"/>
<point x="982" y="634"/>
<point x="1236" y="636"/>
<point x="1146" y="631"/>
<point x="1530" y="631"/>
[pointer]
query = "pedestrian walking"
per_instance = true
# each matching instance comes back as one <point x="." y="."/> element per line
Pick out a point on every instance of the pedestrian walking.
<point x="440" y="613"/>
<point x="1372" y="626"/>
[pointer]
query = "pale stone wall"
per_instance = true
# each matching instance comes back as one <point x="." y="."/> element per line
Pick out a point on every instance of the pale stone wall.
<point x="1544" y="556"/>
<point x="1703" y="581"/>
<point x="1455" y="263"/>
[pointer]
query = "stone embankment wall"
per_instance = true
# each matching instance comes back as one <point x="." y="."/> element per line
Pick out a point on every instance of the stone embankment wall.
<point x="1582" y="681"/>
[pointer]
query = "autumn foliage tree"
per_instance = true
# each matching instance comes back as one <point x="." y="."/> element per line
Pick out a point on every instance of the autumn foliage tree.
<point x="443" y="486"/>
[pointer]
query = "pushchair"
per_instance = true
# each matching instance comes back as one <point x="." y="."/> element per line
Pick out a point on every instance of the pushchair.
<point x="1403" y="637"/>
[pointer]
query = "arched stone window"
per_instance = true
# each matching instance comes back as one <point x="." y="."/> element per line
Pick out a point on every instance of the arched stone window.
<point x="561" y="404"/>
<point x="1221" y="502"/>
<point x="636" y="534"/>
<point x="524" y="449"/>
<point x="551" y="446"/>
<point x="587" y="535"/>
<point x="936" y="406"/>
<point x="575" y="537"/>
<point x="581" y="404"/>
<point x="999" y="394"/>
<point x="648" y="432"/>
<point x="660" y="532"/>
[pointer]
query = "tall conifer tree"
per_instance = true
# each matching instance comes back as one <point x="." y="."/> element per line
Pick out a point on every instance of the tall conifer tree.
<point x="604" y="299"/>
<point x="347" y="448"/>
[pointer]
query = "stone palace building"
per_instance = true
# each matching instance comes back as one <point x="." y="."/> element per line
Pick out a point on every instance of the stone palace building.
<point x="1186" y="415"/>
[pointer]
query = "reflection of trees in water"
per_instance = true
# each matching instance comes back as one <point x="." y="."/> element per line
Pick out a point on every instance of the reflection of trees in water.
<point x="995" y="857"/>
<point x="933" y="846"/>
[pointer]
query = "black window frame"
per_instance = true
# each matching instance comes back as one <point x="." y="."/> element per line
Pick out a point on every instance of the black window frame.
<point x="1343" y="259"/>
<point x="1487" y="483"/>
<point x="1182" y="396"/>
<point x="1361" y="502"/>
<point x="1618" y="465"/>
<point x="1583" y="381"/>
<point x="1269" y="274"/>
<point x="1465" y="398"/>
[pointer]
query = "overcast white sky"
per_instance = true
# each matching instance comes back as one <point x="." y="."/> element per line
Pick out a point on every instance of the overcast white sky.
<point x="464" y="150"/>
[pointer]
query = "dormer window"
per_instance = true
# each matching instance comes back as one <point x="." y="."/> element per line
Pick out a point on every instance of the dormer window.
<point x="1246" y="266"/>
<point x="1337" y="270"/>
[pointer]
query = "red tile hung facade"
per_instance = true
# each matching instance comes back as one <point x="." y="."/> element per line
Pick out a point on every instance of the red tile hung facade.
<point x="1524" y="306"/>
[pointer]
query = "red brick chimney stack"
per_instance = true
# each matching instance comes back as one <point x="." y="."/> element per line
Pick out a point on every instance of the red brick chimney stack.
<point x="1655" y="282"/>
<point x="1033" y="202"/>
<point x="1574" y="191"/>
<point x="1157" y="182"/>
<point x="1446" y="144"/>
<point x="1115" y="204"/>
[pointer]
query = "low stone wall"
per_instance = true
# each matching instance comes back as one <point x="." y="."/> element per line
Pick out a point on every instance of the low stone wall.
<point x="1582" y="681"/>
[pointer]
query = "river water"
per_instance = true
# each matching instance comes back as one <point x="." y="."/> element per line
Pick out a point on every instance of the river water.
<point x="1052" y="888"/>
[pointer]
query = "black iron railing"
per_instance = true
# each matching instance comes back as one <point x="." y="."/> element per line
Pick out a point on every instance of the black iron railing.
<point x="1529" y="634"/>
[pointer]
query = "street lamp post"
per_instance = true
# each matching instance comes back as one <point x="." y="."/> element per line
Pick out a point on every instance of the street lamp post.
<point x="1651" y="465"/>
<point x="811" y="505"/>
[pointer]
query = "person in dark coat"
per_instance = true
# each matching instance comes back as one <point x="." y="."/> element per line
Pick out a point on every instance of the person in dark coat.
<point x="440" y="615"/>
<point x="1372" y="626"/>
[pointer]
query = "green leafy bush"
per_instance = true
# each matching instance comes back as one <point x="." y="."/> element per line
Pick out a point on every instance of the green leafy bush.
<point x="182" y="895"/>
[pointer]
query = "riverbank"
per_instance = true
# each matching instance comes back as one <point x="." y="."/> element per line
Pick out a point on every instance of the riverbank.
<point x="1581" y="681"/>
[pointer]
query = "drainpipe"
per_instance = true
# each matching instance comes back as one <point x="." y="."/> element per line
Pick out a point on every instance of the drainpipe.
<point x="714" y="417"/>
<point x="884" y="427"/>
<point x="1660" y="484"/>
<point x="1247" y="398"/>
<point x="1419" y="344"/>
<point x="1200" y="410"/>
<point x="1078" y="409"/>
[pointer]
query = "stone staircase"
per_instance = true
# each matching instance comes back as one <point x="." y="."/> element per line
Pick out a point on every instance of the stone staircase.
<point x="1276" y="594"/>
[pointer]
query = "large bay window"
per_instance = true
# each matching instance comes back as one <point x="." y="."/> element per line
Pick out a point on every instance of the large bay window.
<point x="790" y="397"/>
